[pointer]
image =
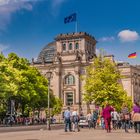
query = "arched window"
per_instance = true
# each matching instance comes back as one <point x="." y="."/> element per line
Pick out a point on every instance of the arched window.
<point x="70" y="46"/>
<point x="64" y="47"/>
<point x="77" y="46"/>
<point x="69" y="80"/>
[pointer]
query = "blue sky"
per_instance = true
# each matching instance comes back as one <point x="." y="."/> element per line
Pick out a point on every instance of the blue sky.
<point x="26" y="26"/>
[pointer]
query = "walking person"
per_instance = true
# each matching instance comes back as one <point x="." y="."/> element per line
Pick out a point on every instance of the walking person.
<point x="114" y="118"/>
<point x="119" y="122"/>
<point x="89" y="119"/>
<point x="94" y="118"/>
<point x="136" y="117"/>
<point x="107" y="116"/>
<point x="125" y="117"/>
<point x="102" y="122"/>
<point x="67" y="119"/>
<point x="75" y="120"/>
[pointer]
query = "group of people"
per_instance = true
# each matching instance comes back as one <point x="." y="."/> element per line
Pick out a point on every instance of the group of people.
<point x="92" y="118"/>
<point x="125" y="119"/>
<point x="71" y="120"/>
<point x="108" y="117"/>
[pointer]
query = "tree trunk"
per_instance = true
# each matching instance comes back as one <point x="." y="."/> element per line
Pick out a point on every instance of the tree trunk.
<point x="23" y="108"/>
<point x="38" y="112"/>
<point x="88" y="108"/>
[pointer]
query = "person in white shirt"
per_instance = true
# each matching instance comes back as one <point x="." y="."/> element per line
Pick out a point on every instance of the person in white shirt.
<point x="89" y="119"/>
<point x="75" y="120"/>
<point x="114" y="118"/>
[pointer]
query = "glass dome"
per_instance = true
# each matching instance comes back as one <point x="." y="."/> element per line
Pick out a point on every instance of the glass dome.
<point x="47" y="53"/>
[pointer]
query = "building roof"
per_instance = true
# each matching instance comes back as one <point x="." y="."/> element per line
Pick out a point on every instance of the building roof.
<point x="74" y="36"/>
<point x="47" y="53"/>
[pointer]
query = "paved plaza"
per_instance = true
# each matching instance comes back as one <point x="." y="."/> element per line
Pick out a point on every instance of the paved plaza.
<point x="84" y="134"/>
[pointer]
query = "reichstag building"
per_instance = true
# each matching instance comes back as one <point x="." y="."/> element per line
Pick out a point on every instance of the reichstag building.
<point x="67" y="57"/>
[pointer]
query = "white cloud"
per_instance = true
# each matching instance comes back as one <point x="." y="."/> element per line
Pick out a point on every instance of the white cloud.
<point x="128" y="35"/>
<point x="106" y="39"/>
<point x="3" y="47"/>
<point x="55" y="5"/>
<point x="8" y="7"/>
<point x="97" y="52"/>
<point x="3" y="2"/>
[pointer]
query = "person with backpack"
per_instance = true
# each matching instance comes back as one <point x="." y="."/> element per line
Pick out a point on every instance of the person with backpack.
<point x="94" y="118"/>
<point x="125" y="117"/>
<point x="114" y="118"/>
<point x="75" y="120"/>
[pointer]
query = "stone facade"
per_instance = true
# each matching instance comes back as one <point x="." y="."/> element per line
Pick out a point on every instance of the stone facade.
<point x="131" y="80"/>
<point x="67" y="58"/>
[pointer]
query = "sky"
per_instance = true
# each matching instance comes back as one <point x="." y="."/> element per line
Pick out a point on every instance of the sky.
<point x="26" y="26"/>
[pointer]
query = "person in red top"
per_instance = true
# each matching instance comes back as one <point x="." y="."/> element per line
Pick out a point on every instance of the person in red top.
<point x="107" y="116"/>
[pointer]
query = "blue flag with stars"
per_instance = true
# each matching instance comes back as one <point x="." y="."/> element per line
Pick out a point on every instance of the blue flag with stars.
<point x="71" y="18"/>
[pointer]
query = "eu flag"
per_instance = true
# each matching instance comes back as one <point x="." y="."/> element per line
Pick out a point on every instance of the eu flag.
<point x="70" y="18"/>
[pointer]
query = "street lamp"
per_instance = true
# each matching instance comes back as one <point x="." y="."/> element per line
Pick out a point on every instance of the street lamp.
<point x="49" y="75"/>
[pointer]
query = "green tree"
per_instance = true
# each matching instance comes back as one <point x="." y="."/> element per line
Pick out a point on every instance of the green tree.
<point x="57" y="106"/>
<point x="103" y="84"/>
<point x="23" y="83"/>
<point x="8" y="87"/>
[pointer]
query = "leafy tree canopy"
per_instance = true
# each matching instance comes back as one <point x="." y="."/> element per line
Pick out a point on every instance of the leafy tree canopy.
<point x="23" y="83"/>
<point x="103" y="84"/>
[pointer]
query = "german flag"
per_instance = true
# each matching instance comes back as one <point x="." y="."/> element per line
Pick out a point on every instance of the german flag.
<point x="132" y="55"/>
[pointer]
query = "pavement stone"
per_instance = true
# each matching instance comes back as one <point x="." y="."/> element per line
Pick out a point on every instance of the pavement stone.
<point x="29" y="128"/>
<point x="84" y="134"/>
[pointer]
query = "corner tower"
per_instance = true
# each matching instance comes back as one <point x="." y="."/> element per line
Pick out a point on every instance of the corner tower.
<point x="74" y="51"/>
<point x="76" y="46"/>
<point x="70" y="55"/>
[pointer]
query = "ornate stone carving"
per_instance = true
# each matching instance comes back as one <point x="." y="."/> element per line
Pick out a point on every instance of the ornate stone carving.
<point x="58" y="57"/>
<point x="78" y="55"/>
<point x="87" y="55"/>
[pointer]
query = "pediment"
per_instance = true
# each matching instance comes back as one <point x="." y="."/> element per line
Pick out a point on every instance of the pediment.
<point x="68" y="88"/>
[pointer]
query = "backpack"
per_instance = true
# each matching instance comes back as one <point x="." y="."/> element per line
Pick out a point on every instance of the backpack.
<point x="112" y="115"/>
<point x="95" y="116"/>
<point x="75" y="118"/>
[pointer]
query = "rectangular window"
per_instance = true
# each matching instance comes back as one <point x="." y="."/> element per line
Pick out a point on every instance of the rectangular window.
<point x="69" y="98"/>
<point x="63" y="47"/>
<point x="70" y="46"/>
